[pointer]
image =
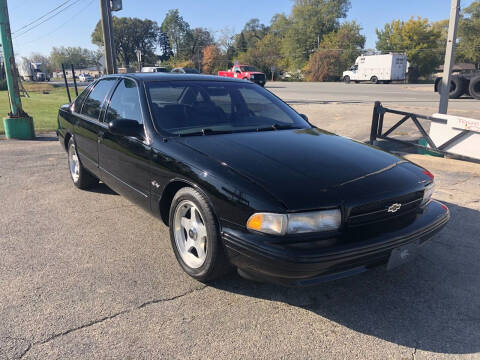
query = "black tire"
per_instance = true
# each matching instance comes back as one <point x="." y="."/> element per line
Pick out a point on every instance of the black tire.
<point x="346" y="79"/>
<point x="81" y="178"/>
<point x="374" y="80"/>
<point x="474" y="88"/>
<point x="457" y="87"/>
<point x="216" y="263"/>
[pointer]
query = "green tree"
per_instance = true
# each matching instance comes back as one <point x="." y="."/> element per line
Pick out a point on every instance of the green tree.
<point x="164" y="47"/>
<point x="310" y="21"/>
<point x="178" y="32"/>
<point x="344" y="45"/>
<point x="264" y="55"/>
<point x="196" y="40"/>
<point x="130" y="35"/>
<point x="468" y="49"/>
<point x="252" y="32"/>
<point x="77" y="56"/>
<point x="419" y="39"/>
<point x="240" y="43"/>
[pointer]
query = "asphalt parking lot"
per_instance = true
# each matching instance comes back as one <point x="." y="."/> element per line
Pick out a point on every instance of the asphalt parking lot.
<point x="89" y="275"/>
<point x="346" y="109"/>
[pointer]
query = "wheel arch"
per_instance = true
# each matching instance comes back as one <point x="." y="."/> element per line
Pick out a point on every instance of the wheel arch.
<point x="67" y="138"/>
<point x="169" y="192"/>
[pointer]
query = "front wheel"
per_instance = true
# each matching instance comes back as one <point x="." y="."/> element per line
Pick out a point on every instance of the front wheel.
<point x="81" y="178"/>
<point x="195" y="237"/>
<point x="346" y="79"/>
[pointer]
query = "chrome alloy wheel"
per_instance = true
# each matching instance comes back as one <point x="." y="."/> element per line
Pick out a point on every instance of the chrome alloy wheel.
<point x="73" y="162"/>
<point x="190" y="234"/>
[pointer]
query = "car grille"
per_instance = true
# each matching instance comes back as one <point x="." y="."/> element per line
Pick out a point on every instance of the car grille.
<point x="379" y="210"/>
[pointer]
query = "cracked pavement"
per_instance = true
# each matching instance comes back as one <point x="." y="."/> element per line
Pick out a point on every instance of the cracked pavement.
<point x="88" y="275"/>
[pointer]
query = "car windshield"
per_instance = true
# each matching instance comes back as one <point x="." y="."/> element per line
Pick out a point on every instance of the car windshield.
<point x="186" y="108"/>
<point x="248" y="68"/>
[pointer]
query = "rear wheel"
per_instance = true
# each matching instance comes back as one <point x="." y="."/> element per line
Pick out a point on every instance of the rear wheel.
<point x="81" y="178"/>
<point x="474" y="88"/>
<point x="346" y="79"/>
<point x="195" y="236"/>
<point x="374" y="79"/>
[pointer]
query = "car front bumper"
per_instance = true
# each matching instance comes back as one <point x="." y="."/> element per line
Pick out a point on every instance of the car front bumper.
<point x="259" y="81"/>
<point x="260" y="257"/>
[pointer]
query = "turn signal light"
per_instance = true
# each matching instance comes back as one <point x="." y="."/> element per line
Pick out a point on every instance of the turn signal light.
<point x="255" y="222"/>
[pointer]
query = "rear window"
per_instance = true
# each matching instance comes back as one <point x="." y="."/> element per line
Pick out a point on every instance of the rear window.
<point x="93" y="104"/>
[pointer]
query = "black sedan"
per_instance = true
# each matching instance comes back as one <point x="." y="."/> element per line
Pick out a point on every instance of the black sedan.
<point x="244" y="181"/>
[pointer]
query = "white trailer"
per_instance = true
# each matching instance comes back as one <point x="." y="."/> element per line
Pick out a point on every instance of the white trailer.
<point x="378" y="68"/>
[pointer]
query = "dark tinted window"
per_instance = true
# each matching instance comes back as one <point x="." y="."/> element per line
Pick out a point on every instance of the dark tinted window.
<point x="79" y="100"/>
<point x="125" y="102"/>
<point x="183" y="108"/>
<point x="92" y="106"/>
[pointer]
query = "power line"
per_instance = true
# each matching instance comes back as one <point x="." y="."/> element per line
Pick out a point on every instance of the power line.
<point x="48" y="18"/>
<point x="61" y="25"/>
<point x="41" y="17"/>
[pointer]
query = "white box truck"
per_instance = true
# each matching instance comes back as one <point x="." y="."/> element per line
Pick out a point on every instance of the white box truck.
<point x="30" y="71"/>
<point x="378" y="68"/>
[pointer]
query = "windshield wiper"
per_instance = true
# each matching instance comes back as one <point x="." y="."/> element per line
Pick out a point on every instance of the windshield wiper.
<point x="206" y="131"/>
<point x="276" y="127"/>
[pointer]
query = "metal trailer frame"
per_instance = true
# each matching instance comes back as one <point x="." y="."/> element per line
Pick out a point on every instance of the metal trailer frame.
<point x="377" y="132"/>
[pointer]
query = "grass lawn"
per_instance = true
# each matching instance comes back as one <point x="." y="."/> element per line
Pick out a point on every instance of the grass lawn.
<point x="42" y="107"/>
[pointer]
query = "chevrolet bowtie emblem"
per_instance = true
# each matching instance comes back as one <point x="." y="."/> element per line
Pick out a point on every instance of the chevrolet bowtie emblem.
<point x="394" y="208"/>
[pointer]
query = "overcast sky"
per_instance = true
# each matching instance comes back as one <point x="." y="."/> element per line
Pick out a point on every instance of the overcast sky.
<point x="74" y="26"/>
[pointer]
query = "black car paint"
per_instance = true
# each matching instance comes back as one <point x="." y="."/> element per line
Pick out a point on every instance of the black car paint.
<point x="276" y="171"/>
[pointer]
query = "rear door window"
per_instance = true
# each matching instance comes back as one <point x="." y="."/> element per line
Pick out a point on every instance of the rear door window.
<point x="92" y="106"/>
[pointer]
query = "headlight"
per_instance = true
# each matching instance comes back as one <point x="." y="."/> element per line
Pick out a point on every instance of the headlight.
<point x="427" y="194"/>
<point x="280" y="224"/>
<point x="252" y="76"/>
<point x="317" y="221"/>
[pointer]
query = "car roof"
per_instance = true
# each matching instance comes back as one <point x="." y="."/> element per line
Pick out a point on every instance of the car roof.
<point x="174" y="77"/>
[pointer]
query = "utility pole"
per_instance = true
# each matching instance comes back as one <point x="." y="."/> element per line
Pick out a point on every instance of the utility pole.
<point x="17" y="125"/>
<point x="107" y="27"/>
<point x="449" y="56"/>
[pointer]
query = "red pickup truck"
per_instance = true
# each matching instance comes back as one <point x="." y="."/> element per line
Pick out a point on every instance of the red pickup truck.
<point x="245" y="72"/>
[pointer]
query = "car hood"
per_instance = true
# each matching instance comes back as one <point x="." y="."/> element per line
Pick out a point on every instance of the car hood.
<point x="307" y="168"/>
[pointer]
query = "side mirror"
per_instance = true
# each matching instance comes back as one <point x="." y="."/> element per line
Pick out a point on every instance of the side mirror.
<point x="238" y="72"/>
<point x="304" y="117"/>
<point x="125" y="127"/>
